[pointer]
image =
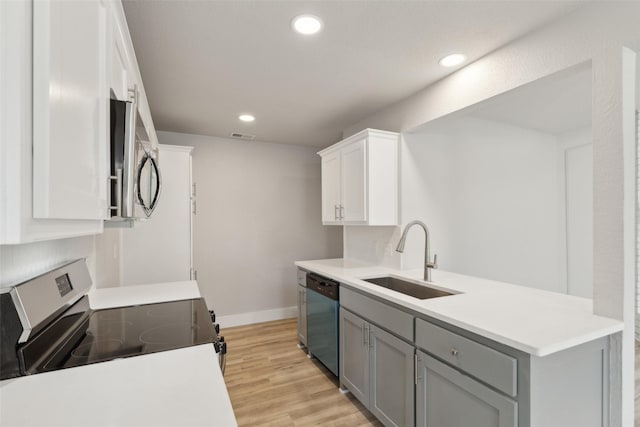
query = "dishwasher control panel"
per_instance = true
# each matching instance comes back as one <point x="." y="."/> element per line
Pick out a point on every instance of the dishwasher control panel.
<point x="327" y="287"/>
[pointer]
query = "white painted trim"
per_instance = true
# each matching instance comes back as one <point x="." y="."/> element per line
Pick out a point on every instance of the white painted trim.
<point x="169" y="147"/>
<point x="257" y="317"/>
<point x="563" y="237"/>
<point x="637" y="225"/>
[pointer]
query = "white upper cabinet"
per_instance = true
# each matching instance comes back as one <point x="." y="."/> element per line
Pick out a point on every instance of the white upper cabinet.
<point x="360" y="180"/>
<point x="70" y="110"/>
<point x="60" y="63"/>
<point x="17" y="107"/>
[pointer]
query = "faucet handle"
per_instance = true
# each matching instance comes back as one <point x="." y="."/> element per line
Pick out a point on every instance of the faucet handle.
<point x="433" y="264"/>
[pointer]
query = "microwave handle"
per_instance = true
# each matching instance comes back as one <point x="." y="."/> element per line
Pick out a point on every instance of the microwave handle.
<point x="148" y="210"/>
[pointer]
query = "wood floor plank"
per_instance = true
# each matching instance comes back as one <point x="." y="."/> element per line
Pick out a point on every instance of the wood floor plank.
<point x="272" y="382"/>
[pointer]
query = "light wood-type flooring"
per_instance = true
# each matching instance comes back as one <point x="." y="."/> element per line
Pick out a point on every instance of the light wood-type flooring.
<point x="272" y="382"/>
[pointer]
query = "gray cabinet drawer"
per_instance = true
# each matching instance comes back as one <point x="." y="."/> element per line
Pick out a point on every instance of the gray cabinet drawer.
<point x="302" y="278"/>
<point x="491" y="366"/>
<point x="391" y="319"/>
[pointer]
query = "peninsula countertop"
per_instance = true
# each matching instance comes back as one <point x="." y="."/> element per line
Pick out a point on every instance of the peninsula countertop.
<point x="535" y="321"/>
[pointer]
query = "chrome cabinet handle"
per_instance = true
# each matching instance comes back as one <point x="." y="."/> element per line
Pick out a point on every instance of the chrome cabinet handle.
<point x="363" y="339"/>
<point x="335" y="212"/>
<point x="454" y="352"/>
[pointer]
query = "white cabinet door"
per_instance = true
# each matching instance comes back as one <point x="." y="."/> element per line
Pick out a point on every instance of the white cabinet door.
<point x="70" y="109"/>
<point x="354" y="182"/>
<point x="331" y="183"/>
<point x="119" y="74"/>
<point x="17" y="224"/>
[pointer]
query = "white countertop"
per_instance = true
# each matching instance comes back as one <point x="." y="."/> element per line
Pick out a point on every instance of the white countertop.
<point x="182" y="387"/>
<point x="169" y="388"/>
<point x="143" y="294"/>
<point x="534" y="321"/>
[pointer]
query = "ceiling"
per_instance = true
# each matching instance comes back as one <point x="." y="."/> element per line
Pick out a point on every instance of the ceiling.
<point x="205" y="62"/>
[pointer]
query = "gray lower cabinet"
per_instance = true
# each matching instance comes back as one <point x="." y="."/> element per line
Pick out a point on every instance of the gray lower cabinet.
<point x="446" y="397"/>
<point x="302" y="308"/>
<point x="302" y="315"/>
<point x="378" y="368"/>
<point x="462" y="379"/>
<point x="354" y="355"/>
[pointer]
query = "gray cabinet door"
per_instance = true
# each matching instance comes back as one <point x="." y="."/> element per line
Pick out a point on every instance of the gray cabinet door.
<point x="445" y="397"/>
<point x="302" y="315"/>
<point x="391" y="378"/>
<point x="354" y="355"/>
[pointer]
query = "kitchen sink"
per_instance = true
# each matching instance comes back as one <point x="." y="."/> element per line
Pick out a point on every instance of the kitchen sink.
<point x="407" y="288"/>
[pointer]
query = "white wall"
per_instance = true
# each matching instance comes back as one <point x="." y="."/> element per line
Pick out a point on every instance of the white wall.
<point x="158" y="249"/>
<point x="374" y="245"/>
<point x="489" y="194"/>
<point x="258" y="212"/>
<point x="597" y="32"/>
<point x="21" y="262"/>
<point x="108" y="255"/>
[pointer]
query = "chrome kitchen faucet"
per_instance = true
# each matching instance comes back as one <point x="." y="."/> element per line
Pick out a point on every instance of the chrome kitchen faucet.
<point x="427" y="264"/>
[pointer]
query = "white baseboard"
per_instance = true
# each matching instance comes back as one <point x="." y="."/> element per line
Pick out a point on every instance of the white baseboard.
<point x="257" y="317"/>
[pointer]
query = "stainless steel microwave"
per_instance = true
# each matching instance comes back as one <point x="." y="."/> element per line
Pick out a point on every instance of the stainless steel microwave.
<point x="135" y="183"/>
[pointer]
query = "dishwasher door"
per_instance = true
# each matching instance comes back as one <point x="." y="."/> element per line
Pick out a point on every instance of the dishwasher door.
<point x="322" y="321"/>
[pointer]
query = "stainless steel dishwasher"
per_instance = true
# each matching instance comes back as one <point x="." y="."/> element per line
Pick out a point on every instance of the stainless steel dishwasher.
<point x="322" y="320"/>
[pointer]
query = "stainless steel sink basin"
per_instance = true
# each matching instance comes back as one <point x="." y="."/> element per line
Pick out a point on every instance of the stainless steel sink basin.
<point x="407" y="288"/>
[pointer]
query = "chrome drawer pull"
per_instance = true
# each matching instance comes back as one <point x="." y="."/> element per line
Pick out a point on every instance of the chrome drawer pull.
<point x="454" y="352"/>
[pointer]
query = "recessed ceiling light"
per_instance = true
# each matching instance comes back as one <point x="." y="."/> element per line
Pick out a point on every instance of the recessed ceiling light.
<point x="452" y="60"/>
<point x="306" y="24"/>
<point x="246" y="117"/>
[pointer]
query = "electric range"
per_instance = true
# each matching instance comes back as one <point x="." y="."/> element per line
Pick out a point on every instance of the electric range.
<point x="47" y="324"/>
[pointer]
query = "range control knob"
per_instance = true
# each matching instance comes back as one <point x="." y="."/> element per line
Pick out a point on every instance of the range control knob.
<point x="212" y="314"/>
<point x="221" y="338"/>
<point x="223" y="348"/>
<point x="216" y="326"/>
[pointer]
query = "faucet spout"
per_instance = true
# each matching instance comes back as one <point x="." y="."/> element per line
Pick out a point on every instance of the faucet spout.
<point x="428" y="265"/>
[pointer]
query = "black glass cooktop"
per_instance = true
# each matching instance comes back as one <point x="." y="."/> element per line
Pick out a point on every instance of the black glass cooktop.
<point x="109" y="334"/>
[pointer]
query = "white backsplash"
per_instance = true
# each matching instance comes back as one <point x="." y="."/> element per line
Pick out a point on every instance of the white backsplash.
<point x="374" y="245"/>
<point x="22" y="262"/>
